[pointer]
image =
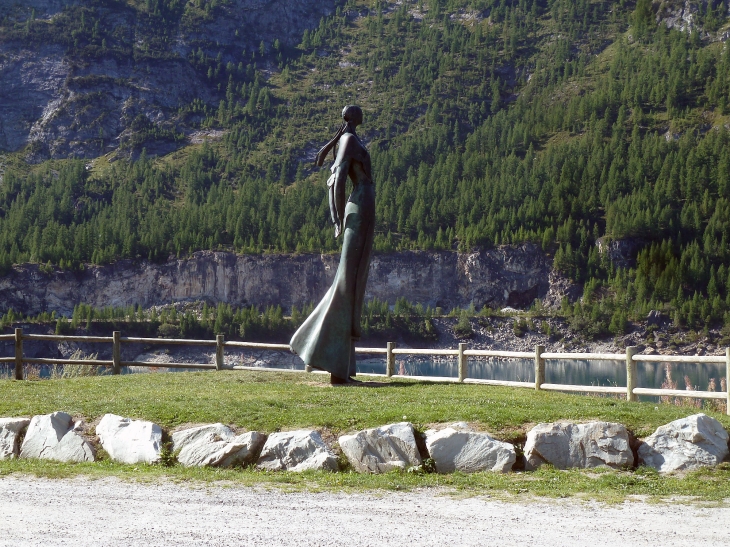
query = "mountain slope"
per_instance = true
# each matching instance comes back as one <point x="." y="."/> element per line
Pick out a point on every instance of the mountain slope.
<point x="78" y="79"/>
<point x="490" y="122"/>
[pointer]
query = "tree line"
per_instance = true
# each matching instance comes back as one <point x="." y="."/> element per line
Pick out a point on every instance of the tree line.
<point x="484" y="130"/>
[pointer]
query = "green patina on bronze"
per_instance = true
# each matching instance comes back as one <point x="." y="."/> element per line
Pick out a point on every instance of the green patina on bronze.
<point x="326" y="340"/>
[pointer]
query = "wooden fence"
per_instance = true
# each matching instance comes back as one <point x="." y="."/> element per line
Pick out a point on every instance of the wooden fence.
<point x="540" y="356"/>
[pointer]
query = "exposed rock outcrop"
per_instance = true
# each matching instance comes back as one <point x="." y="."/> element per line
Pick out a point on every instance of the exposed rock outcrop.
<point x="684" y="15"/>
<point x="679" y="15"/>
<point x="296" y="451"/>
<point x="130" y="441"/>
<point x="497" y="277"/>
<point x="216" y="445"/>
<point x="10" y="430"/>
<point x="382" y="449"/>
<point x="621" y="252"/>
<point x="686" y="444"/>
<point x="566" y="445"/>
<point x="67" y="105"/>
<point x="55" y="437"/>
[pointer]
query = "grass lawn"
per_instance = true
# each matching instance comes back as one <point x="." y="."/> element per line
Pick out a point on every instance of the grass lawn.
<point x="270" y="402"/>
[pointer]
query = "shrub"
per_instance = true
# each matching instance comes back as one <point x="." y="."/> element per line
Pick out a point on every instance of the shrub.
<point x="463" y="326"/>
<point x="168" y="330"/>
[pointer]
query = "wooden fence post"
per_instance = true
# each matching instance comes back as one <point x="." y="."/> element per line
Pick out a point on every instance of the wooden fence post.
<point x="18" y="354"/>
<point x="390" y="360"/>
<point x="219" y="341"/>
<point x="539" y="367"/>
<point x="631" y="373"/>
<point x="116" y="352"/>
<point x="727" y="380"/>
<point x="462" y="362"/>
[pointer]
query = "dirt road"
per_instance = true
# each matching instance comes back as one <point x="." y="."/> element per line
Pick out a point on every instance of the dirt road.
<point x="109" y="512"/>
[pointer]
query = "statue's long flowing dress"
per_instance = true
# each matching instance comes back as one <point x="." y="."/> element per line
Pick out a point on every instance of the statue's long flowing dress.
<point x="325" y="341"/>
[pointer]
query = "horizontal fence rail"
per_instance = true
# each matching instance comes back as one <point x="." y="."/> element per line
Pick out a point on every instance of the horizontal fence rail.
<point x="168" y="365"/>
<point x="586" y="356"/>
<point x="61" y="338"/>
<point x="494" y="353"/>
<point x="540" y="356"/>
<point x="168" y="341"/>
<point x="681" y="358"/>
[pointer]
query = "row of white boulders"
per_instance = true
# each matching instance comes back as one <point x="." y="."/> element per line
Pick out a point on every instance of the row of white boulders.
<point x="682" y="445"/>
<point x="217" y="445"/>
<point x="455" y="448"/>
<point x="686" y="444"/>
<point x="57" y="436"/>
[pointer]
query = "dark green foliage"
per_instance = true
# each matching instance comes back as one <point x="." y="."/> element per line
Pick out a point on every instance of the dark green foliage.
<point x="405" y="319"/>
<point x="542" y="122"/>
<point x="10" y="317"/>
<point x="248" y="323"/>
<point x="519" y="327"/>
<point x="643" y="17"/>
<point x="463" y="327"/>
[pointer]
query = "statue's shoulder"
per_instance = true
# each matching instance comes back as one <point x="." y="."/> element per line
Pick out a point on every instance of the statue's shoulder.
<point x="350" y="147"/>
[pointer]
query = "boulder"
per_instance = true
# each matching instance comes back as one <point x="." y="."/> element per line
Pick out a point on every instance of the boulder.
<point x="686" y="444"/>
<point x="56" y="437"/>
<point x="130" y="441"/>
<point x="457" y="449"/>
<point x="216" y="445"/>
<point x="566" y="445"/>
<point x="296" y="451"/>
<point x="10" y="430"/>
<point x="382" y="449"/>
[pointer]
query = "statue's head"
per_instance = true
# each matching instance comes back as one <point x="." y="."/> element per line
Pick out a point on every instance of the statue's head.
<point x="352" y="114"/>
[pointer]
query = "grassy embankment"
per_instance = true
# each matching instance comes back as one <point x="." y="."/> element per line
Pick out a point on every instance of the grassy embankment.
<point x="279" y="401"/>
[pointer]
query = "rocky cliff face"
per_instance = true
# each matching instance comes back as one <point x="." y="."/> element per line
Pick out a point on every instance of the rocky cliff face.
<point x="73" y="105"/>
<point x="621" y="252"/>
<point x="683" y="15"/>
<point x="512" y="276"/>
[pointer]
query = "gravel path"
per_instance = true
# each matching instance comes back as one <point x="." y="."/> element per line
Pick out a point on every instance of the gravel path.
<point x="110" y="512"/>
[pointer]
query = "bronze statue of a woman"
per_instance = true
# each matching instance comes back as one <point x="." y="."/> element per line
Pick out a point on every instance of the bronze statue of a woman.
<point x="326" y="340"/>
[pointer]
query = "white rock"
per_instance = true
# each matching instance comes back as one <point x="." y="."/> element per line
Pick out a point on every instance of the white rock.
<point x="10" y="430"/>
<point x="296" y="451"/>
<point x="690" y="443"/>
<point x="382" y="449"/>
<point x="216" y="445"/>
<point x="51" y="437"/>
<point x="468" y="451"/>
<point x="566" y="445"/>
<point x="130" y="441"/>
<point x="459" y="426"/>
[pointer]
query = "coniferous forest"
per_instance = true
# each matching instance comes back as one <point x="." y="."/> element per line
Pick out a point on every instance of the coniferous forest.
<point x="490" y="122"/>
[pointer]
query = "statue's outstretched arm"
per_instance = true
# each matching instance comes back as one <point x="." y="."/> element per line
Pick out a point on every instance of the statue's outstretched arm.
<point x="336" y="186"/>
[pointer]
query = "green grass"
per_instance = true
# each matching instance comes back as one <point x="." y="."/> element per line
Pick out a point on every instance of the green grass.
<point x="269" y="402"/>
<point x="706" y="486"/>
<point x="278" y="401"/>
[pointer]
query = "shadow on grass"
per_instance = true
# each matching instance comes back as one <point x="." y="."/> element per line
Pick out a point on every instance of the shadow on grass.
<point x="409" y="384"/>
